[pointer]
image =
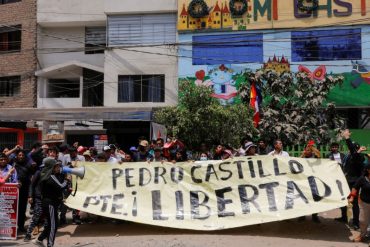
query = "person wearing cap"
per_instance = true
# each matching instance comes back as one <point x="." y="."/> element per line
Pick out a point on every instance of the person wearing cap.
<point x="81" y="150"/>
<point x="241" y="150"/>
<point x="361" y="189"/>
<point x="107" y="150"/>
<point x="52" y="187"/>
<point x="87" y="156"/>
<point x="250" y="149"/>
<point x="353" y="166"/>
<point x="278" y="149"/>
<point x="143" y="154"/>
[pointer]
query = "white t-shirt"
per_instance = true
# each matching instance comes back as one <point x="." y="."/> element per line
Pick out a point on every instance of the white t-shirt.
<point x="337" y="158"/>
<point x="282" y="153"/>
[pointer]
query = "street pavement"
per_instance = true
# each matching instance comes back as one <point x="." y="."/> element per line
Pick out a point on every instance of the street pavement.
<point x="288" y="233"/>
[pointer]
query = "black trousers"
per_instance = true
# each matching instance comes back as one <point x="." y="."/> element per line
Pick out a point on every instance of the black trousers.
<point x="50" y="228"/>
<point x="22" y="205"/>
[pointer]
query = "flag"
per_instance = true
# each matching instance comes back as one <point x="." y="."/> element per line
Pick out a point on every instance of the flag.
<point x="255" y="101"/>
<point x="159" y="131"/>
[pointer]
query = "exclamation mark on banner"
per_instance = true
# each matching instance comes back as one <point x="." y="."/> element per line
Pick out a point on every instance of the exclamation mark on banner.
<point x="339" y="183"/>
<point x="134" y="207"/>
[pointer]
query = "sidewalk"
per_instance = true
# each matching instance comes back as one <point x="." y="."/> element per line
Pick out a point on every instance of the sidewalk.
<point x="289" y="233"/>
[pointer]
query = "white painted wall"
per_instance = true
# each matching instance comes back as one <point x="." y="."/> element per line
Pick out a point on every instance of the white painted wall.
<point x="68" y="18"/>
<point x="133" y="7"/>
<point x="56" y="103"/>
<point x="64" y="38"/>
<point x="124" y="62"/>
<point x="70" y="12"/>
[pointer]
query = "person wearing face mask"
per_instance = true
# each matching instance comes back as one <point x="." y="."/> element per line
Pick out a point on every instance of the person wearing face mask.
<point x="203" y="157"/>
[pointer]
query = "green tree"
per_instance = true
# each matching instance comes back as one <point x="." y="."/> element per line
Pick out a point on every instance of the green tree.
<point x="294" y="106"/>
<point x="201" y="118"/>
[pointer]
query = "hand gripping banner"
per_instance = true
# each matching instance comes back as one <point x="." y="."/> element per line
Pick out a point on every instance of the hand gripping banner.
<point x="211" y="195"/>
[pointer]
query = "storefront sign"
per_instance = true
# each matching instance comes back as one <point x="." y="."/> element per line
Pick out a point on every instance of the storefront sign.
<point x="53" y="131"/>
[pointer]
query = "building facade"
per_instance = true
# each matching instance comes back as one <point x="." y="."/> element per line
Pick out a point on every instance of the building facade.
<point x="217" y="48"/>
<point x="105" y="65"/>
<point x="18" y="63"/>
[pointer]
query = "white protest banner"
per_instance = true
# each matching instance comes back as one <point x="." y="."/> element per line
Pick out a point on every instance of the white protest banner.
<point x="211" y="195"/>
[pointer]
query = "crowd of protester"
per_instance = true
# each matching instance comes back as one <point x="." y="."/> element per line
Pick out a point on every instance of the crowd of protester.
<point x="44" y="187"/>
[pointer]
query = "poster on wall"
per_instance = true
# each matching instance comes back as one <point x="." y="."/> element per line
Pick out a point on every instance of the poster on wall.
<point x="100" y="141"/>
<point x="8" y="211"/>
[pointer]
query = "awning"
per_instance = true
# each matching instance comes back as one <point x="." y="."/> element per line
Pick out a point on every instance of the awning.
<point x="78" y="114"/>
<point x="65" y="67"/>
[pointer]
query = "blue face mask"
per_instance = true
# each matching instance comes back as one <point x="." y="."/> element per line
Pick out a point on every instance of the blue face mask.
<point x="203" y="158"/>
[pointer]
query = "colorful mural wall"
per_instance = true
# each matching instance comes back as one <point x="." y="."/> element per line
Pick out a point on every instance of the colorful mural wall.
<point x="219" y="59"/>
<point x="240" y="15"/>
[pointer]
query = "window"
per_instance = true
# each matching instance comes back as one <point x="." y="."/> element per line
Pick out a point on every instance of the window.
<point x="141" y="88"/>
<point x="8" y="1"/>
<point x="326" y="45"/>
<point x="10" y="39"/>
<point x="63" y="88"/>
<point x="227" y="49"/>
<point x="10" y="86"/>
<point x="141" y="29"/>
<point x="95" y="40"/>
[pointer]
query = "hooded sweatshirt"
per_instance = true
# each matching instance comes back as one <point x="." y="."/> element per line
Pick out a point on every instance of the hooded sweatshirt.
<point x="51" y="186"/>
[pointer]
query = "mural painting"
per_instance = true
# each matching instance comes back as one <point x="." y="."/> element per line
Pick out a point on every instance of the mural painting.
<point x="220" y="60"/>
<point x="239" y="15"/>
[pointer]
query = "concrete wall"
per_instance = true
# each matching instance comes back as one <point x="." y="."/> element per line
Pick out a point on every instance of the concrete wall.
<point x="125" y="62"/>
<point x="56" y="43"/>
<point x="70" y="12"/>
<point x="43" y="102"/>
<point x="133" y="7"/>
